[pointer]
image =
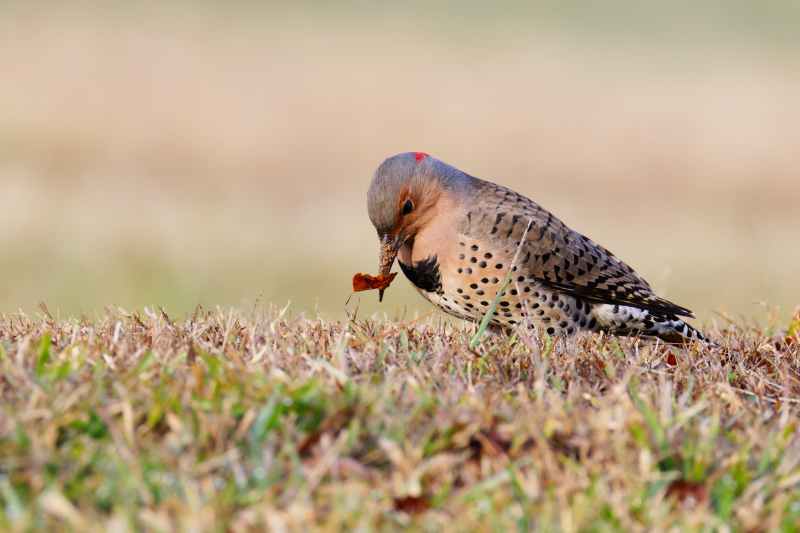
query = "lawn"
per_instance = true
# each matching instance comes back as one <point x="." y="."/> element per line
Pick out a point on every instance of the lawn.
<point x="252" y="421"/>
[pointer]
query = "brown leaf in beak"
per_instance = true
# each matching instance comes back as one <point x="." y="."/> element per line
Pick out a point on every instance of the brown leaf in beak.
<point x="365" y="282"/>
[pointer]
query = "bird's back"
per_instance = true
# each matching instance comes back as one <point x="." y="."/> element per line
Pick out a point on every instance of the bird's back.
<point x="557" y="256"/>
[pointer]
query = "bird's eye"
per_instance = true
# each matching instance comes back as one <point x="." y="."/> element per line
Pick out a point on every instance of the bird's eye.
<point x="408" y="207"/>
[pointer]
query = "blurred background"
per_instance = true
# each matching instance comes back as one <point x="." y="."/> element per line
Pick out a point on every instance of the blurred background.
<point x="170" y="153"/>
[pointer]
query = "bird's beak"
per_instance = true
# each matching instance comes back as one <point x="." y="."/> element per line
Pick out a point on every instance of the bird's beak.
<point x="389" y="248"/>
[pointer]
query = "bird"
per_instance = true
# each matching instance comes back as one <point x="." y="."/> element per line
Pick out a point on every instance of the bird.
<point x="455" y="237"/>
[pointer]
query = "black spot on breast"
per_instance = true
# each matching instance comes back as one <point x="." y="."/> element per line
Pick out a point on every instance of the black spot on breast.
<point x="563" y="323"/>
<point x="592" y="323"/>
<point x="479" y="293"/>
<point x="461" y="243"/>
<point x="468" y="271"/>
<point x="526" y="289"/>
<point x="473" y="286"/>
<point x="550" y="331"/>
<point x="504" y="304"/>
<point x="498" y="265"/>
<point x="473" y="260"/>
<point x="459" y="291"/>
<point x="495" y="280"/>
<point x="470" y="306"/>
<point x="425" y="274"/>
<point x="485" y="280"/>
<point x="578" y="305"/>
<point x="484" y="304"/>
<point x="460" y="270"/>
<point x="482" y="264"/>
<point x="513" y="292"/>
<point x="535" y="306"/>
<point x="474" y="247"/>
<point x="539" y="312"/>
<point x="461" y="256"/>
<point x="487" y="256"/>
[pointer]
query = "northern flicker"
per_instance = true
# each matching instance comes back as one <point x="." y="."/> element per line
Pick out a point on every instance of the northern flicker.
<point x="455" y="237"/>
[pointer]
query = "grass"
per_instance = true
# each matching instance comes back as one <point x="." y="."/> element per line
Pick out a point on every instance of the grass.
<point x="251" y="422"/>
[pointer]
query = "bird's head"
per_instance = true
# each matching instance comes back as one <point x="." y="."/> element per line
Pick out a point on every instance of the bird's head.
<point x="403" y="197"/>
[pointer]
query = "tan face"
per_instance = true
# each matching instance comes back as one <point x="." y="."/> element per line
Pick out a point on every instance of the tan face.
<point x="415" y="209"/>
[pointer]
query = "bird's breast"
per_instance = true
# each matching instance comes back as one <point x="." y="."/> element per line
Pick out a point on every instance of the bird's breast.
<point x="425" y="274"/>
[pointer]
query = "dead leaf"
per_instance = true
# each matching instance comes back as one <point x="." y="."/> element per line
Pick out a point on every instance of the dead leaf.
<point x="411" y="505"/>
<point x="689" y="493"/>
<point x="365" y="282"/>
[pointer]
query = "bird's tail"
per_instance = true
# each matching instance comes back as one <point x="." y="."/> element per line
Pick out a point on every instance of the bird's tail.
<point x="673" y="329"/>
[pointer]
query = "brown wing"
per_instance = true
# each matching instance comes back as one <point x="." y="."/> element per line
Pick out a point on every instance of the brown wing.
<point x="557" y="256"/>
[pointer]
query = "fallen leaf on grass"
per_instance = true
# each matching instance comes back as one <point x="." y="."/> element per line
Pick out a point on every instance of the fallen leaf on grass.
<point x="365" y="282"/>
<point x="411" y="505"/>
<point x="689" y="493"/>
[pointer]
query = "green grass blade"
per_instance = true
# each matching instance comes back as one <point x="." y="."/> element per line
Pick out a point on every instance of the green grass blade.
<point x="486" y="319"/>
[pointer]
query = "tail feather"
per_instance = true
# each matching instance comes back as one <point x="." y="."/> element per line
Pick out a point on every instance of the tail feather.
<point x="629" y="320"/>
<point x="676" y="330"/>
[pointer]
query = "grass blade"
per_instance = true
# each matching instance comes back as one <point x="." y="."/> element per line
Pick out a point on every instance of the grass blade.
<point x="490" y="311"/>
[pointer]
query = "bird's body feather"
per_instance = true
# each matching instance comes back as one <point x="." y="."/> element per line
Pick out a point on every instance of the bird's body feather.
<point x="459" y="256"/>
<point x="557" y="256"/>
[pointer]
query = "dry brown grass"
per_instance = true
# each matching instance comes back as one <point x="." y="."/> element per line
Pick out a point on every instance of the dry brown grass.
<point x="227" y="422"/>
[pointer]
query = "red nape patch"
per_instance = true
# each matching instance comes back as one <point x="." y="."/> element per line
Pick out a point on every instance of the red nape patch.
<point x="419" y="156"/>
